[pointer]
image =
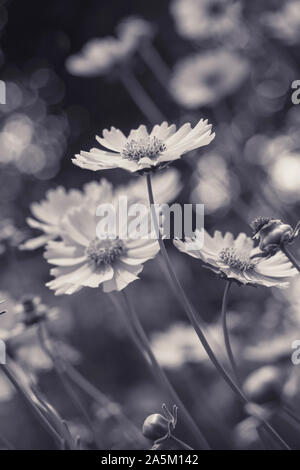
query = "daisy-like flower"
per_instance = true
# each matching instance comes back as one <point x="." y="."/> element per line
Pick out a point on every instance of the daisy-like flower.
<point x="285" y="23"/>
<point x="204" y="79"/>
<point x="237" y="259"/>
<point x="204" y="19"/>
<point x="83" y="259"/>
<point x="141" y="150"/>
<point x="50" y="212"/>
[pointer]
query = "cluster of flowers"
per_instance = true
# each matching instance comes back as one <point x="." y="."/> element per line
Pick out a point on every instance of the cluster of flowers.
<point x="68" y="220"/>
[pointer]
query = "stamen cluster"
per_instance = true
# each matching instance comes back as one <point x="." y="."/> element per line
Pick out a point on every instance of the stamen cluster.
<point x="230" y="257"/>
<point x="104" y="252"/>
<point x="150" y="147"/>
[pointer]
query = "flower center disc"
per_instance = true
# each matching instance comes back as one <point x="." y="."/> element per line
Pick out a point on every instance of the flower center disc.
<point x="236" y="260"/>
<point x="104" y="252"/>
<point x="149" y="147"/>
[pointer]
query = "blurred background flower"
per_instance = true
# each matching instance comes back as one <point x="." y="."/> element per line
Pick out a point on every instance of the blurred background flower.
<point x="205" y="79"/>
<point x="205" y="19"/>
<point x="284" y="23"/>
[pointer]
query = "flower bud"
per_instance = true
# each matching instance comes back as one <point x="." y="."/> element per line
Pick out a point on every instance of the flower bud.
<point x="272" y="233"/>
<point x="155" y="427"/>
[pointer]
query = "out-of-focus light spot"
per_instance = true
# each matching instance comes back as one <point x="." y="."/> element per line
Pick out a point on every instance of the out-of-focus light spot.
<point x="274" y="147"/>
<point x="48" y="172"/>
<point x="252" y="150"/>
<point x="214" y="187"/>
<point x="32" y="161"/>
<point x="285" y="174"/>
<point x="210" y="193"/>
<point x="14" y="97"/>
<point x="37" y="111"/>
<point x="10" y="185"/>
<point x="54" y="92"/>
<point x="273" y="88"/>
<point x="265" y="107"/>
<point x="15" y="137"/>
<point x="40" y="78"/>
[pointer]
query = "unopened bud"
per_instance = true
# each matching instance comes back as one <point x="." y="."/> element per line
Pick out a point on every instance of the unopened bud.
<point x="272" y="233"/>
<point x="155" y="427"/>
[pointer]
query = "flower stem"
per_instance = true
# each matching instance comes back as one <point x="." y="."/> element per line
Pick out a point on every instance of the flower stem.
<point x="156" y="64"/>
<point x="182" y="444"/>
<point x="140" y="97"/>
<point x="31" y="403"/>
<point x="100" y="398"/>
<point x="226" y="333"/>
<point x="291" y="257"/>
<point x="184" y="302"/>
<point x="6" y="444"/>
<point x="140" y="339"/>
<point x="59" y="369"/>
<point x="292" y="415"/>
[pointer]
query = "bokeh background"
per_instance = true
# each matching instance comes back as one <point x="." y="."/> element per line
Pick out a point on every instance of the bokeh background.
<point x="230" y="62"/>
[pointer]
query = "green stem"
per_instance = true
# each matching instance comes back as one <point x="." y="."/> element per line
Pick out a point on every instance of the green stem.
<point x="291" y="257"/>
<point x="226" y="333"/>
<point x="140" y="339"/>
<point x="183" y="300"/>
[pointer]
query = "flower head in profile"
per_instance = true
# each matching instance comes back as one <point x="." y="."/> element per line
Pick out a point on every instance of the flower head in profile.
<point x="85" y="258"/>
<point x="143" y="151"/>
<point x="273" y="233"/>
<point x="204" y="79"/>
<point x="98" y="57"/>
<point x="205" y="19"/>
<point x="48" y="215"/>
<point x="285" y="22"/>
<point x="238" y="260"/>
